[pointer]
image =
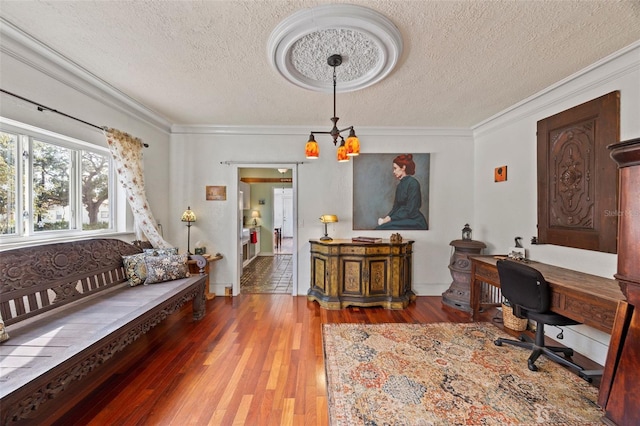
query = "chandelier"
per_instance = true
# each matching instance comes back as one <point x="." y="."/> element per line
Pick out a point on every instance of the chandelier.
<point x="349" y="147"/>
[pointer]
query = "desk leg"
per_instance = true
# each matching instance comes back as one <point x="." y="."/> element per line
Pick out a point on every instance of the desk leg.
<point x="475" y="299"/>
<point x="474" y="294"/>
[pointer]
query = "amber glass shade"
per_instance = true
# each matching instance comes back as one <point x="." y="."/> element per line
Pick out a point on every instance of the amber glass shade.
<point x="311" y="149"/>
<point x="342" y="153"/>
<point x="353" y="144"/>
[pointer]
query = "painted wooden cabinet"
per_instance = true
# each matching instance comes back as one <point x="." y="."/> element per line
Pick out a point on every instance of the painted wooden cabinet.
<point x="346" y="273"/>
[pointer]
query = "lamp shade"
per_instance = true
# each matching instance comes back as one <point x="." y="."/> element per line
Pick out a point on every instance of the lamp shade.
<point x="328" y="218"/>
<point x="255" y="214"/>
<point x="353" y="144"/>
<point x="342" y="153"/>
<point x="311" y="149"/>
<point x="188" y="215"/>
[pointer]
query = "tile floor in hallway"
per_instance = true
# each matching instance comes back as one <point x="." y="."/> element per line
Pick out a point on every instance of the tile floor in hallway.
<point x="270" y="274"/>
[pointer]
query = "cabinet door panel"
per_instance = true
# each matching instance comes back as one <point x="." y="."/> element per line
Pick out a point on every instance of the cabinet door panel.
<point x="319" y="274"/>
<point x="352" y="282"/>
<point x="378" y="277"/>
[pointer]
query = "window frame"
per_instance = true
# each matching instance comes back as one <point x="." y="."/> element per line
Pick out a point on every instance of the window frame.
<point x="25" y="233"/>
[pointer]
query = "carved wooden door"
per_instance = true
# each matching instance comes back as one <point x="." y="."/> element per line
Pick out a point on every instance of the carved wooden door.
<point x="577" y="192"/>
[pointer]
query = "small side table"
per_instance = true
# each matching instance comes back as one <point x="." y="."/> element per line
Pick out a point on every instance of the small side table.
<point x="459" y="293"/>
<point x="193" y="269"/>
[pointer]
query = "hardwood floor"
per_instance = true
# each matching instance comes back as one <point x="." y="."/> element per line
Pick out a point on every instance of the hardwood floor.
<point x="254" y="359"/>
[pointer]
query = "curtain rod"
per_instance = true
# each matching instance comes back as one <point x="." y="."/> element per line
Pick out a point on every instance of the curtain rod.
<point x="46" y="108"/>
<point x="230" y="162"/>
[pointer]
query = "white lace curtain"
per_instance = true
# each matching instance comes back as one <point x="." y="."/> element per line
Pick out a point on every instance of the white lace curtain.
<point x="127" y="154"/>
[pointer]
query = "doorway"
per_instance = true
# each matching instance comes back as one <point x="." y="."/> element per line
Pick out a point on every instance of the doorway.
<point x="272" y="195"/>
<point x="283" y="220"/>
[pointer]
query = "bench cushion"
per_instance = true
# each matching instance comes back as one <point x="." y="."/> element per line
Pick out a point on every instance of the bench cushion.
<point x="118" y="315"/>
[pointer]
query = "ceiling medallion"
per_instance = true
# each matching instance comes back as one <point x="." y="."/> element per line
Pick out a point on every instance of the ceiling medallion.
<point x="369" y="43"/>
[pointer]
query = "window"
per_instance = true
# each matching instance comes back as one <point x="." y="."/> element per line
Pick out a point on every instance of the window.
<point x="52" y="185"/>
<point x="8" y="183"/>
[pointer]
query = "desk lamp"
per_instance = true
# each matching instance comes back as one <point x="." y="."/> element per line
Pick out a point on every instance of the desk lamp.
<point x="327" y="218"/>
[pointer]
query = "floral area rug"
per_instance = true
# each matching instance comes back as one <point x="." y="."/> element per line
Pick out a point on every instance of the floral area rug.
<point x="446" y="374"/>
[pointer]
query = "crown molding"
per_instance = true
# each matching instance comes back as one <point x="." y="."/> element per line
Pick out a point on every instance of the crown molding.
<point x="611" y="67"/>
<point x="204" y="129"/>
<point x="37" y="55"/>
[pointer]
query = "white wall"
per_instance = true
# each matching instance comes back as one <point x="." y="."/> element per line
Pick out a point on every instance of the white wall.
<point x="323" y="185"/>
<point x="508" y="209"/>
<point x="31" y="71"/>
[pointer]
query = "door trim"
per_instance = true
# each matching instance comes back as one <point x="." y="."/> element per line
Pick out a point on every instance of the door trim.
<point x="238" y="220"/>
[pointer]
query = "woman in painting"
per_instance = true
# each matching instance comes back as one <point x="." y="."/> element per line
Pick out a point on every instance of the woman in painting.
<point x="405" y="213"/>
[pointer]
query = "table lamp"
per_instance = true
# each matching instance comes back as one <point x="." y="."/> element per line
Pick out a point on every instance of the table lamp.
<point x="327" y="218"/>
<point x="255" y="214"/>
<point x="189" y="217"/>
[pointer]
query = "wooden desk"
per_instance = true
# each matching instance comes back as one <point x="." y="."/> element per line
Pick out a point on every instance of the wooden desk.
<point x="586" y="298"/>
<point x="193" y="269"/>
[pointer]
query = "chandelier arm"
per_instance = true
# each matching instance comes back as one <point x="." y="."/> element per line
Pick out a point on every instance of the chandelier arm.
<point x="334" y="91"/>
<point x="318" y="132"/>
<point x="312" y="147"/>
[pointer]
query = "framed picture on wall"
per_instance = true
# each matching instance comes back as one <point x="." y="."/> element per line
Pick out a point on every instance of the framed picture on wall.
<point x="391" y="192"/>
<point x="216" y="193"/>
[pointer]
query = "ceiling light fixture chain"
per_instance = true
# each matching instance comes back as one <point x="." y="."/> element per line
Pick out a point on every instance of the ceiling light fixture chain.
<point x="348" y="148"/>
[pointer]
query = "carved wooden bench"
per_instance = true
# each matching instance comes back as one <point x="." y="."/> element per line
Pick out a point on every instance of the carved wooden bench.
<point x="68" y="308"/>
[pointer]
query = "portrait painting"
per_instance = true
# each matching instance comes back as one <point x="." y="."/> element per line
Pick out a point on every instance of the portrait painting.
<point x="391" y="192"/>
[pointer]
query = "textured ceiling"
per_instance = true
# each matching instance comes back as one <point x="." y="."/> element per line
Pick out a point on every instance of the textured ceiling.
<point x="206" y="62"/>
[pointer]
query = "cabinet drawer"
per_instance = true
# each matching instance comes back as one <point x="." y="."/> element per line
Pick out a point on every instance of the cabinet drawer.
<point x="353" y="250"/>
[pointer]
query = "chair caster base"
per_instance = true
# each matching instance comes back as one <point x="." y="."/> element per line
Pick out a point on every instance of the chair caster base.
<point x="532" y="367"/>
<point x="588" y="375"/>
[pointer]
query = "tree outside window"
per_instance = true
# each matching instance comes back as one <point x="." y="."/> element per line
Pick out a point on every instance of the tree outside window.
<point x="52" y="183"/>
<point x="95" y="190"/>
<point x="8" y="179"/>
<point x="51" y="180"/>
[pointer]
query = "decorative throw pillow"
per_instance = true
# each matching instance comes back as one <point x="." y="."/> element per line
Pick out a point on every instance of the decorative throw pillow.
<point x="3" y="331"/>
<point x="135" y="268"/>
<point x="166" y="268"/>
<point x="161" y="251"/>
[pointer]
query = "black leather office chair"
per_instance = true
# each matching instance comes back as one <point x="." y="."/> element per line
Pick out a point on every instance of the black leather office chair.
<point x="530" y="296"/>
